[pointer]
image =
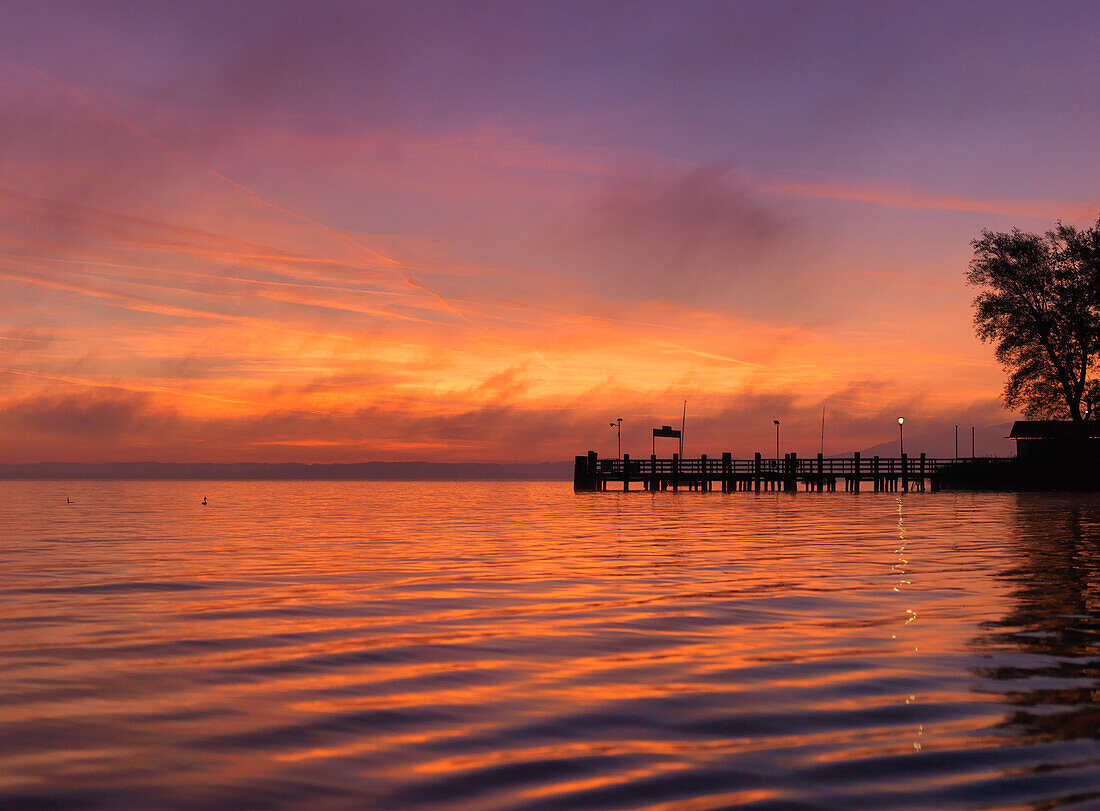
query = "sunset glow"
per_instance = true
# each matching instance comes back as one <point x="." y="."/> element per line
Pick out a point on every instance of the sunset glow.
<point x="348" y="232"/>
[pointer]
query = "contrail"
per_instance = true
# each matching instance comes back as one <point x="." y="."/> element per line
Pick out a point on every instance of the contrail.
<point x="401" y="267"/>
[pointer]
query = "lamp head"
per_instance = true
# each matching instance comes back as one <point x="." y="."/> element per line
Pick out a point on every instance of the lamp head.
<point x="901" y="420"/>
<point x="776" y="422"/>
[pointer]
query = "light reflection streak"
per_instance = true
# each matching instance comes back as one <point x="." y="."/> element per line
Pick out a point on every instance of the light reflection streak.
<point x="911" y="615"/>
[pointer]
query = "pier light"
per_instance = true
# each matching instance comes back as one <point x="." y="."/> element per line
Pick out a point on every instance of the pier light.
<point x="901" y="436"/>
<point x="619" y="425"/>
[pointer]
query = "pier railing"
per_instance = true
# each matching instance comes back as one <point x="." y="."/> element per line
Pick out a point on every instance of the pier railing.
<point x="757" y="473"/>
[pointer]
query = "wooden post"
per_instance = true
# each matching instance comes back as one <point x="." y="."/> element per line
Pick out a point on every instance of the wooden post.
<point x="792" y="473"/>
<point x="675" y="472"/>
<point x="594" y="470"/>
<point x="922" y="473"/>
<point x="582" y="481"/>
<point x="859" y="470"/>
<point x="874" y="472"/>
<point x="905" y="473"/>
<point x="820" y="472"/>
<point x="626" y="471"/>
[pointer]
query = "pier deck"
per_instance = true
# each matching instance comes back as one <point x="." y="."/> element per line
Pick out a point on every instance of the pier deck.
<point x="818" y="473"/>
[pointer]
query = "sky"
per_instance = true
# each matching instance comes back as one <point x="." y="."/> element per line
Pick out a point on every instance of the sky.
<point x="341" y="232"/>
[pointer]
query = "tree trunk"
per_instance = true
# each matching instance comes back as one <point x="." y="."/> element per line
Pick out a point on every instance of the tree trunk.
<point x="1079" y="422"/>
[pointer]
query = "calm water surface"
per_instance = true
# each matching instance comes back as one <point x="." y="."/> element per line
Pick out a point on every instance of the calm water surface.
<point x="472" y="645"/>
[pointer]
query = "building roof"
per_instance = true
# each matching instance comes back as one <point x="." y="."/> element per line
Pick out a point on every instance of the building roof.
<point x="1050" y="429"/>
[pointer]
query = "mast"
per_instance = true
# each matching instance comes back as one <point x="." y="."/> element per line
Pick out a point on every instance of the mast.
<point x="683" y="421"/>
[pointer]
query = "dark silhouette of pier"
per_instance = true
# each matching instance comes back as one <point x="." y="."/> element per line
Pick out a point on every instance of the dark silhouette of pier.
<point x="790" y="473"/>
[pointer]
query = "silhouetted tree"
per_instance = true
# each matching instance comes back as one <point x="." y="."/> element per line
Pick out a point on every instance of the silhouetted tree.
<point x="1039" y="304"/>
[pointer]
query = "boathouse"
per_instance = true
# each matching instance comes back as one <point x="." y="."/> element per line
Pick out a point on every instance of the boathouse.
<point x="1054" y="441"/>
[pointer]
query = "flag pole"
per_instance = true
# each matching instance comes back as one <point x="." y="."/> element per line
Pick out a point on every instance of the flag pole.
<point x="683" y="421"/>
<point x="822" y="429"/>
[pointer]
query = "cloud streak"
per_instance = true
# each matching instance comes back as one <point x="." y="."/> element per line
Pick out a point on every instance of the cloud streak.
<point x="918" y="200"/>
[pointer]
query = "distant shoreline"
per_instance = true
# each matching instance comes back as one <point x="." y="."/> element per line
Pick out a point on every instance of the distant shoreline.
<point x="290" y="471"/>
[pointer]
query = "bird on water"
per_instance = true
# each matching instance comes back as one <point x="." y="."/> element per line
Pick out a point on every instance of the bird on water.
<point x="68" y="500"/>
<point x="204" y="501"/>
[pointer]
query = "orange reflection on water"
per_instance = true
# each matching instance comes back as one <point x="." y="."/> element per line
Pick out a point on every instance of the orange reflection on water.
<point x="498" y="644"/>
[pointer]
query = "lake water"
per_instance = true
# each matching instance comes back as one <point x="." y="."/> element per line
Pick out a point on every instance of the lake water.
<point x="514" y="645"/>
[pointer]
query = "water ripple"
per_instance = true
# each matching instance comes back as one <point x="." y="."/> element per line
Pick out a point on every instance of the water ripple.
<point x="348" y="645"/>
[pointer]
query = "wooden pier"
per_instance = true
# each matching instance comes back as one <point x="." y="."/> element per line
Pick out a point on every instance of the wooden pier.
<point x="790" y="473"/>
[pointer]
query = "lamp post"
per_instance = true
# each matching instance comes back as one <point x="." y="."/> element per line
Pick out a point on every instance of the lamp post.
<point x="618" y="424"/>
<point x="901" y="436"/>
<point x="776" y="438"/>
